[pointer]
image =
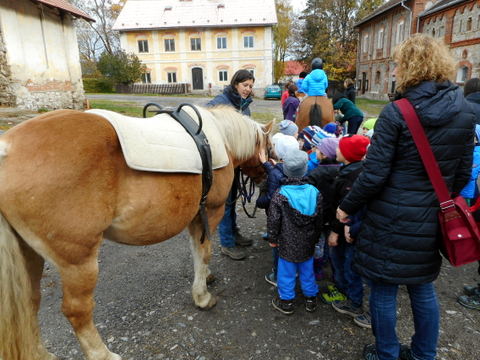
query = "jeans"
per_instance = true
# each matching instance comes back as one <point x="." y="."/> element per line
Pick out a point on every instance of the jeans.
<point x="346" y="280"/>
<point x="286" y="278"/>
<point x="228" y="225"/>
<point x="354" y="124"/>
<point x="426" y="317"/>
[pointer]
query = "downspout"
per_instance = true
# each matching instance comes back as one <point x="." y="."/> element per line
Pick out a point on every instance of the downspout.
<point x="410" y="20"/>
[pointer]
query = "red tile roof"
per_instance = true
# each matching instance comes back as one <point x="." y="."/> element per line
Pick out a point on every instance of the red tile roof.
<point x="66" y="6"/>
<point x="293" y="67"/>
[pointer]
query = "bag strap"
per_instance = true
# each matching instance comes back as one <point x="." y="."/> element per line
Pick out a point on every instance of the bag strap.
<point x="426" y="153"/>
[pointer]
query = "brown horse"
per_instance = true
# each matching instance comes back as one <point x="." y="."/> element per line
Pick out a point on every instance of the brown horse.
<point x="314" y="110"/>
<point x="64" y="185"/>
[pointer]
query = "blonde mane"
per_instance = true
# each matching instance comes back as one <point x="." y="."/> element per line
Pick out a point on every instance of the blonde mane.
<point x="242" y="135"/>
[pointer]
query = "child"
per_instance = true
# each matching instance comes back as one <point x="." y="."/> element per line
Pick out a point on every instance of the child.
<point x="322" y="177"/>
<point x="283" y="144"/>
<point x="315" y="83"/>
<point x="351" y="150"/>
<point x="290" y="105"/>
<point x="294" y="224"/>
<point x="367" y="127"/>
<point x="313" y="157"/>
<point x="287" y="127"/>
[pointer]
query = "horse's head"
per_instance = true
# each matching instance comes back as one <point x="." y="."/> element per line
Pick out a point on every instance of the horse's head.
<point x="252" y="167"/>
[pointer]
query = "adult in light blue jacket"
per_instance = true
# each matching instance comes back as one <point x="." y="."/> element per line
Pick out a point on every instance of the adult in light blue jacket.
<point x="315" y="83"/>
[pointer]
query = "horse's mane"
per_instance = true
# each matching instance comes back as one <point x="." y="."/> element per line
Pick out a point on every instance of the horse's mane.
<point x="241" y="134"/>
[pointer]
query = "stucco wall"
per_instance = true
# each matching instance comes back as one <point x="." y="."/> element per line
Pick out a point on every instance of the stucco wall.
<point x="42" y="53"/>
<point x="210" y="59"/>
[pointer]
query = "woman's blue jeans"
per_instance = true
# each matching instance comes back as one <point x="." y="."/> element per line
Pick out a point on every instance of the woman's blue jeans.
<point x="426" y="317"/>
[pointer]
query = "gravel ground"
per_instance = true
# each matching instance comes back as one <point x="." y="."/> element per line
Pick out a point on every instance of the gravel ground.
<point x="145" y="310"/>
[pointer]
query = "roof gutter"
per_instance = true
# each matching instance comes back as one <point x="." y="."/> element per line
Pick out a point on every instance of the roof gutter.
<point x="402" y="4"/>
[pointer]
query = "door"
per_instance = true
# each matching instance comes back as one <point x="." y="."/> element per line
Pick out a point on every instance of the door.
<point x="197" y="78"/>
<point x="364" y="82"/>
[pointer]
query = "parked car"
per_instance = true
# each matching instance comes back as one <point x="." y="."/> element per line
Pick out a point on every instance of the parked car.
<point x="273" y="92"/>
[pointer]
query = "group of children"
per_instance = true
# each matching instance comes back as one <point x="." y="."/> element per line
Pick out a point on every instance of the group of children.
<point x="311" y="173"/>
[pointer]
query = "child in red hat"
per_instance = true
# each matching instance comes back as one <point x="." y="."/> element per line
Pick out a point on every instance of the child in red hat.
<point x="351" y="151"/>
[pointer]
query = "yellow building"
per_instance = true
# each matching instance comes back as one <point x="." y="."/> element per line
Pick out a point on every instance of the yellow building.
<point x="199" y="42"/>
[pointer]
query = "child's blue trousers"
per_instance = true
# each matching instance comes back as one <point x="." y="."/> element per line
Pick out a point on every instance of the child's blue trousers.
<point x="287" y="275"/>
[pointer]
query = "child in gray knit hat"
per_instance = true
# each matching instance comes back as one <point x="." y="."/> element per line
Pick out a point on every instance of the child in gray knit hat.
<point x="294" y="224"/>
<point x="288" y="127"/>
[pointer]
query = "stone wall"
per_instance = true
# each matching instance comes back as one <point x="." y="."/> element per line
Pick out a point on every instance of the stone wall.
<point x="7" y="98"/>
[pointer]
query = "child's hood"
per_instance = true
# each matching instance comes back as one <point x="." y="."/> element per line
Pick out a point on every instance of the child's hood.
<point x="303" y="201"/>
<point x="317" y="74"/>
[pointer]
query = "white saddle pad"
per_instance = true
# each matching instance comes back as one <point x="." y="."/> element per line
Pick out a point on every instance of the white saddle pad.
<point x="161" y="144"/>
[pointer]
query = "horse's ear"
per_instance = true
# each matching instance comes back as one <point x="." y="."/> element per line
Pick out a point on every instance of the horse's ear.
<point x="267" y="129"/>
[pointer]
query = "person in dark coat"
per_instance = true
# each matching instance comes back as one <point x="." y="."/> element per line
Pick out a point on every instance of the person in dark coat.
<point x="472" y="95"/>
<point x="471" y="90"/>
<point x="238" y="95"/>
<point x="294" y="223"/>
<point x="350" y="92"/>
<point x="398" y="243"/>
<point x="351" y="113"/>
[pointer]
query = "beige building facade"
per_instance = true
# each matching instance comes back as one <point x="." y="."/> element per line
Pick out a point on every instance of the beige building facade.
<point x="39" y="57"/>
<point x="199" y="42"/>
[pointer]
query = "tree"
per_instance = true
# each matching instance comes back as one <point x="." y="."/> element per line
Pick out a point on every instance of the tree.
<point x="366" y="7"/>
<point x="281" y="37"/>
<point x="120" y="67"/>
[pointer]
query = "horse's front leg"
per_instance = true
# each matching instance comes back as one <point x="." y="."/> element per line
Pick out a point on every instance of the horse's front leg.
<point x="201" y="258"/>
<point x="79" y="281"/>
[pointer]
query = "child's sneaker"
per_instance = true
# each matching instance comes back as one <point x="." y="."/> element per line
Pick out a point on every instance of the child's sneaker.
<point x="332" y="295"/>
<point x="364" y="320"/>
<point x="347" y="307"/>
<point x="271" y="278"/>
<point x="310" y="303"/>
<point x="284" y="306"/>
<point x="471" y="290"/>
<point x="471" y="302"/>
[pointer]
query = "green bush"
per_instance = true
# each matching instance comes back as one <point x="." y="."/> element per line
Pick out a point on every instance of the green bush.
<point x="97" y="85"/>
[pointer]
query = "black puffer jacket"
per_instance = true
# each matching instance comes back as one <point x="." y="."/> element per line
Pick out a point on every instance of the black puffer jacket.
<point x="350" y="93"/>
<point x="398" y="242"/>
<point x="473" y="100"/>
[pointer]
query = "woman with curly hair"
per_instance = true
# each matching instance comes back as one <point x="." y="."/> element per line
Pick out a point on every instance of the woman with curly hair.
<point x="399" y="240"/>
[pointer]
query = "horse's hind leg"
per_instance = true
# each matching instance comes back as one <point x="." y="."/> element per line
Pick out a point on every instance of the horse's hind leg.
<point x="79" y="281"/>
<point x="201" y="257"/>
<point x="34" y="264"/>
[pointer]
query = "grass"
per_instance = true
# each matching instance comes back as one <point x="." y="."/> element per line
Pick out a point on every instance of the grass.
<point x="122" y="107"/>
<point x="371" y="108"/>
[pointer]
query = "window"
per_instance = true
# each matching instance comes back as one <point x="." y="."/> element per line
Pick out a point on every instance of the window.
<point x="378" y="75"/>
<point x="380" y="39"/>
<point x="460" y="26"/>
<point x="248" y="41"/>
<point x="462" y="74"/>
<point x="221" y="42"/>
<point x="478" y="23"/>
<point x="146" y="78"/>
<point x="171" y="77"/>
<point x="469" y="24"/>
<point x="400" y="32"/>
<point x="142" y="46"/>
<point x="195" y="44"/>
<point x="365" y="43"/>
<point x="169" y="44"/>
<point x="433" y="32"/>
<point x="223" y="75"/>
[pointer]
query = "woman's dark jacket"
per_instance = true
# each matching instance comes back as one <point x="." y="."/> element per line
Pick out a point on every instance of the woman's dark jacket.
<point x="232" y="98"/>
<point x="399" y="239"/>
<point x="473" y="100"/>
<point x="294" y="230"/>
<point x="275" y="176"/>
<point x="350" y="93"/>
<point x="323" y="177"/>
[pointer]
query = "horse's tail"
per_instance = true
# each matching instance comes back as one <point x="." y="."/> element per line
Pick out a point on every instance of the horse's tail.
<point x="316" y="114"/>
<point x="18" y="327"/>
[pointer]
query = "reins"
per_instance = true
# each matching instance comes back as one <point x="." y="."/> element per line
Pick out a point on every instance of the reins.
<point x="246" y="189"/>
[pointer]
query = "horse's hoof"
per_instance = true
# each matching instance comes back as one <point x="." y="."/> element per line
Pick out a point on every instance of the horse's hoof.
<point x="210" y="279"/>
<point x="206" y="302"/>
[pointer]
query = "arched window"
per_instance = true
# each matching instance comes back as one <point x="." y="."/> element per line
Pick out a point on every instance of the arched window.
<point x="462" y="74"/>
<point x="469" y="24"/>
<point x="433" y="32"/>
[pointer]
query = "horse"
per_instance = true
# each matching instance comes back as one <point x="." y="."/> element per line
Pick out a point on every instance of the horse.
<point x="314" y="110"/>
<point x="66" y="185"/>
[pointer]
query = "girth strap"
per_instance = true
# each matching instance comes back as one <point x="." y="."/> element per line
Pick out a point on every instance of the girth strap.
<point x="198" y="136"/>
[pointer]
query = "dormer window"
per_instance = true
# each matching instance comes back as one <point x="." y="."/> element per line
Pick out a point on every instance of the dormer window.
<point x="221" y="6"/>
<point x="168" y="8"/>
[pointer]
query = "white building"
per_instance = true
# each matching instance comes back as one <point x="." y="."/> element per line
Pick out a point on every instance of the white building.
<point x="39" y="58"/>
<point x="200" y="42"/>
